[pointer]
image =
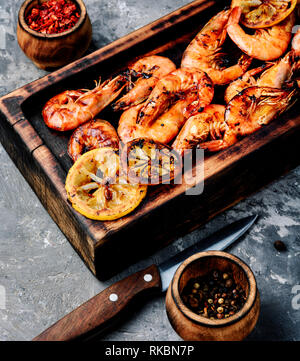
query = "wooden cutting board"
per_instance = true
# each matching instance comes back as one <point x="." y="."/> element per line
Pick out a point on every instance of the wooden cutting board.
<point x="167" y="212"/>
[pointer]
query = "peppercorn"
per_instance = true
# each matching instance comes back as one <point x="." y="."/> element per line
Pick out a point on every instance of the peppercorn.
<point x="228" y="283"/>
<point x="280" y="246"/>
<point x="193" y="302"/>
<point x="212" y="298"/>
<point x="225" y="276"/>
<point x="215" y="274"/>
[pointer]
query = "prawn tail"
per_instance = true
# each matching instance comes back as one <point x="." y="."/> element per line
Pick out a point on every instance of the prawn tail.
<point x="245" y="61"/>
<point x="216" y="129"/>
<point x="290" y="100"/>
<point x="235" y="16"/>
<point x="229" y="138"/>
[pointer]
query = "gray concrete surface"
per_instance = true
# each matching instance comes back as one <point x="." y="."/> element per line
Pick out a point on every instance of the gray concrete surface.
<point x="41" y="276"/>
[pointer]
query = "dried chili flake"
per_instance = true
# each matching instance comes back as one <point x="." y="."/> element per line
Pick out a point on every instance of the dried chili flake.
<point x="53" y="16"/>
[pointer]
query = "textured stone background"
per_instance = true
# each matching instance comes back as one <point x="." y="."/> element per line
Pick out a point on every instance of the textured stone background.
<point x="41" y="276"/>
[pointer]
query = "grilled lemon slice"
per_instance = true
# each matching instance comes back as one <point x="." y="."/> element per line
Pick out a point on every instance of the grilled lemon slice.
<point x="96" y="188"/>
<point x="258" y="14"/>
<point x="148" y="162"/>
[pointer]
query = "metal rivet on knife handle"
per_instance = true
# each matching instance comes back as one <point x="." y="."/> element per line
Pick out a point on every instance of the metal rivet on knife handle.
<point x="148" y="277"/>
<point x="113" y="297"/>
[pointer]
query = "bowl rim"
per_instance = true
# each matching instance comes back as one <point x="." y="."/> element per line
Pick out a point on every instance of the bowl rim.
<point x="201" y="320"/>
<point x="25" y="26"/>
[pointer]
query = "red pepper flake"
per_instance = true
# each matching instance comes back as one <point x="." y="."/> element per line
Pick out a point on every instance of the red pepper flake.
<point x="53" y="16"/>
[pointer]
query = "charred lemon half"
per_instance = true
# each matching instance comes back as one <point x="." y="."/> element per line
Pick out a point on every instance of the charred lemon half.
<point x="96" y="188"/>
<point x="148" y="162"/>
<point x="258" y="14"/>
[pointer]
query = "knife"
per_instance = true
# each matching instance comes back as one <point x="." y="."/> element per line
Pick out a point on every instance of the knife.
<point x="102" y="309"/>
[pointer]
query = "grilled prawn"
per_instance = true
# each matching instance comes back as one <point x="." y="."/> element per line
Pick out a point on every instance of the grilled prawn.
<point x="296" y="43"/>
<point x="248" y="111"/>
<point x="296" y="50"/>
<point x="142" y="78"/>
<point x="205" y="52"/>
<point x="175" y="98"/>
<point x="198" y="128"/>
<point x="183" y="83"/>
<point x="163" y="129"/>
<point x="274" y="75"/>
<point x="265" y="44"/>
<point x="94" y="134"/>
<point x="71" y="108"/>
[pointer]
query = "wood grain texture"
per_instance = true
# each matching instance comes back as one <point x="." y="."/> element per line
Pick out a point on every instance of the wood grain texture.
<point x="100" y="311"/>
<point x="167" y="211"/>
<point x="193" y="327"/>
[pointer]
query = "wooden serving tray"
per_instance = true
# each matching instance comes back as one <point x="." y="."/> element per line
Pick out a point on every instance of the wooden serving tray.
<point x="167" y="212"/>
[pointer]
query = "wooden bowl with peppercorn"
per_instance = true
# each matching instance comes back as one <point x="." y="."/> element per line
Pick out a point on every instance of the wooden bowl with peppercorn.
<point x="213" y="297"/>
<point x="53" y="33"/>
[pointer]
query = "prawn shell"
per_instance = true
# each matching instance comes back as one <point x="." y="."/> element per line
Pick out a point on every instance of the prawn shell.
<point x="94" y="134"/>
<point x="148" y="70"/>
<point x="265" y="44"/>
<point x="199" y="127"/>
<point x="205" y="52"/>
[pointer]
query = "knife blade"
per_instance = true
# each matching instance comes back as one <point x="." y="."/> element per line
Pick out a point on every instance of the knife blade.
<point x="101" y="310"/>
<point x="217" y="242"/>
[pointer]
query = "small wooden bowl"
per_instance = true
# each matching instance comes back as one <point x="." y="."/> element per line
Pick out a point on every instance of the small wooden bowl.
<point x="54" y="50"/>
<point x="193" y="327"/>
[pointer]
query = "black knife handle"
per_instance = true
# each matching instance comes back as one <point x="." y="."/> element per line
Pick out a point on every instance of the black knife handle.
<point x="103" y="308"/>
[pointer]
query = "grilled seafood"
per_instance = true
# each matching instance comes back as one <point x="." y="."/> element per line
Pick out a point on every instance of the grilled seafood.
<point x="163" y="129"/>
<point x="296" y="43"/>
<point x="174" y="99"/>
<point x="209" y="123"/>
<point x="205" y="52"/>
<point x="183" y="83"/>
<point x="147" y="71"/>
<point x="248" y="111"/>
<point x="274" y="75"/>
<point x="243" y="82"/>
<point x="279" y="74"/>
<point x="71" y="108"/>
<point x="265" y="44"/>
<point x="96" y="133"/>
<point x="296" y="50"/>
